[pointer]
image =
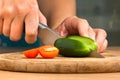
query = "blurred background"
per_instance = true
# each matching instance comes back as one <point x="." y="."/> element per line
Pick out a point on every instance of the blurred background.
<point x="103" y="14"/>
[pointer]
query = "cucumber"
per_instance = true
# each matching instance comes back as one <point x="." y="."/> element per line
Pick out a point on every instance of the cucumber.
<point x="75" y="46"/>
<point x="88" y="41"/>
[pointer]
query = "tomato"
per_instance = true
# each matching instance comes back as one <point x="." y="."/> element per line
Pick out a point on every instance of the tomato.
<point x="48" y="51"/>
<point x="31" y="53"/>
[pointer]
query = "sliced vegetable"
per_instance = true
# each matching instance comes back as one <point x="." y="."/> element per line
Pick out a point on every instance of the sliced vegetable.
<point x="48" y="51"/>
<point x="31" y="53"/>
<point x="85" y="40"/>
<point x="75" y="46"/>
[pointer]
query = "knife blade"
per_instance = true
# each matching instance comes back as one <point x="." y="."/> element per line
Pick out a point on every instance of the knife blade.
<point x="47" y="35"/>
<point x="96" y="55"/>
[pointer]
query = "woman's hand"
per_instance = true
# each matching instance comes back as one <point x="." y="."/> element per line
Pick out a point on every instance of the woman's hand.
<point x="17" y="15"/>
<point x="75" y="25"/>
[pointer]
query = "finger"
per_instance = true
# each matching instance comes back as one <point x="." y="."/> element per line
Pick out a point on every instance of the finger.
<point x="1" y="17"/>
<point x="8" y="16"/>
<point x="31" y="27"/>
<point x="104" y="46"/>
<point x="100" y="36"/>
<point x="42" y="19"/>
<point x="83" y="27"/>
<point x="76" y="25"/>
<point x="7" y="25"/>
<point x="65" y="28"/>
<point x="16" y="28"/>
<point x="91" y="33"/>
<point x="61" y="29"/>
<point x="1" y="26"/>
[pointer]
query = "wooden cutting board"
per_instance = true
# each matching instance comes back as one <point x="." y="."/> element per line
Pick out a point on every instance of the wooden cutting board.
<point x="17" y="62"/>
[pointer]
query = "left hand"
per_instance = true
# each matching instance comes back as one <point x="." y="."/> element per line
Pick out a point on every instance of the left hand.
<point x="19" y="15"/>
<point x="75" y="25"/>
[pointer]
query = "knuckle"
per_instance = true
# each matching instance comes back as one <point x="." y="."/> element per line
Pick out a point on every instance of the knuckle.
<point x="103" y="32"/>
<point x="9" y="11"/>
<point x="83" y="21"/>
<point x="13" y="10"/>
<point x="20" y="10"/>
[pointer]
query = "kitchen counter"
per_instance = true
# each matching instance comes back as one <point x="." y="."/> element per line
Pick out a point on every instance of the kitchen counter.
<point x="8" y="75"/>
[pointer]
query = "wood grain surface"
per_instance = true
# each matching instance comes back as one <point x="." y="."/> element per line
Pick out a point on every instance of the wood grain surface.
<point x="17" y="62"/>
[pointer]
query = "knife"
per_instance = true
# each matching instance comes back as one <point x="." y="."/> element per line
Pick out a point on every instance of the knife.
<point x="96" y="54"/>
<point x="47" y="35"/>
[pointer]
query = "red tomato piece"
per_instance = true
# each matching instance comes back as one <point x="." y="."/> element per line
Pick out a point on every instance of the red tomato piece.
<point x="31" y="53"/>
<point x="48" y="51"/>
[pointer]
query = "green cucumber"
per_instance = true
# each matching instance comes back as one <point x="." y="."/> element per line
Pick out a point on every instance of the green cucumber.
<point x="88" y="41"/>
<point x="75" y="46"/>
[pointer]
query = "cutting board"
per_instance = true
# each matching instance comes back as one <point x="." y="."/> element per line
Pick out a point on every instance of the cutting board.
<point x="18" y="62"/>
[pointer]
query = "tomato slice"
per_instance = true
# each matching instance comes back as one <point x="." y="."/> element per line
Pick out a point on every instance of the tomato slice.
<point x="31" y="53"/>
<point x="48" y="51"/>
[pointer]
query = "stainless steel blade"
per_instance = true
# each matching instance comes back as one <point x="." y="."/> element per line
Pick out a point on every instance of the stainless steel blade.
<point x="96" y="55"/>
<point x="47" y="35"/>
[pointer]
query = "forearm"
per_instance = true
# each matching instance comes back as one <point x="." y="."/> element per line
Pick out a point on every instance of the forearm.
<point x="57" y="10"/>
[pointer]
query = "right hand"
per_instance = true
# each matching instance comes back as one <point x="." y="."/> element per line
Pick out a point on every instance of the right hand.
<point x="15" y="13"/>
